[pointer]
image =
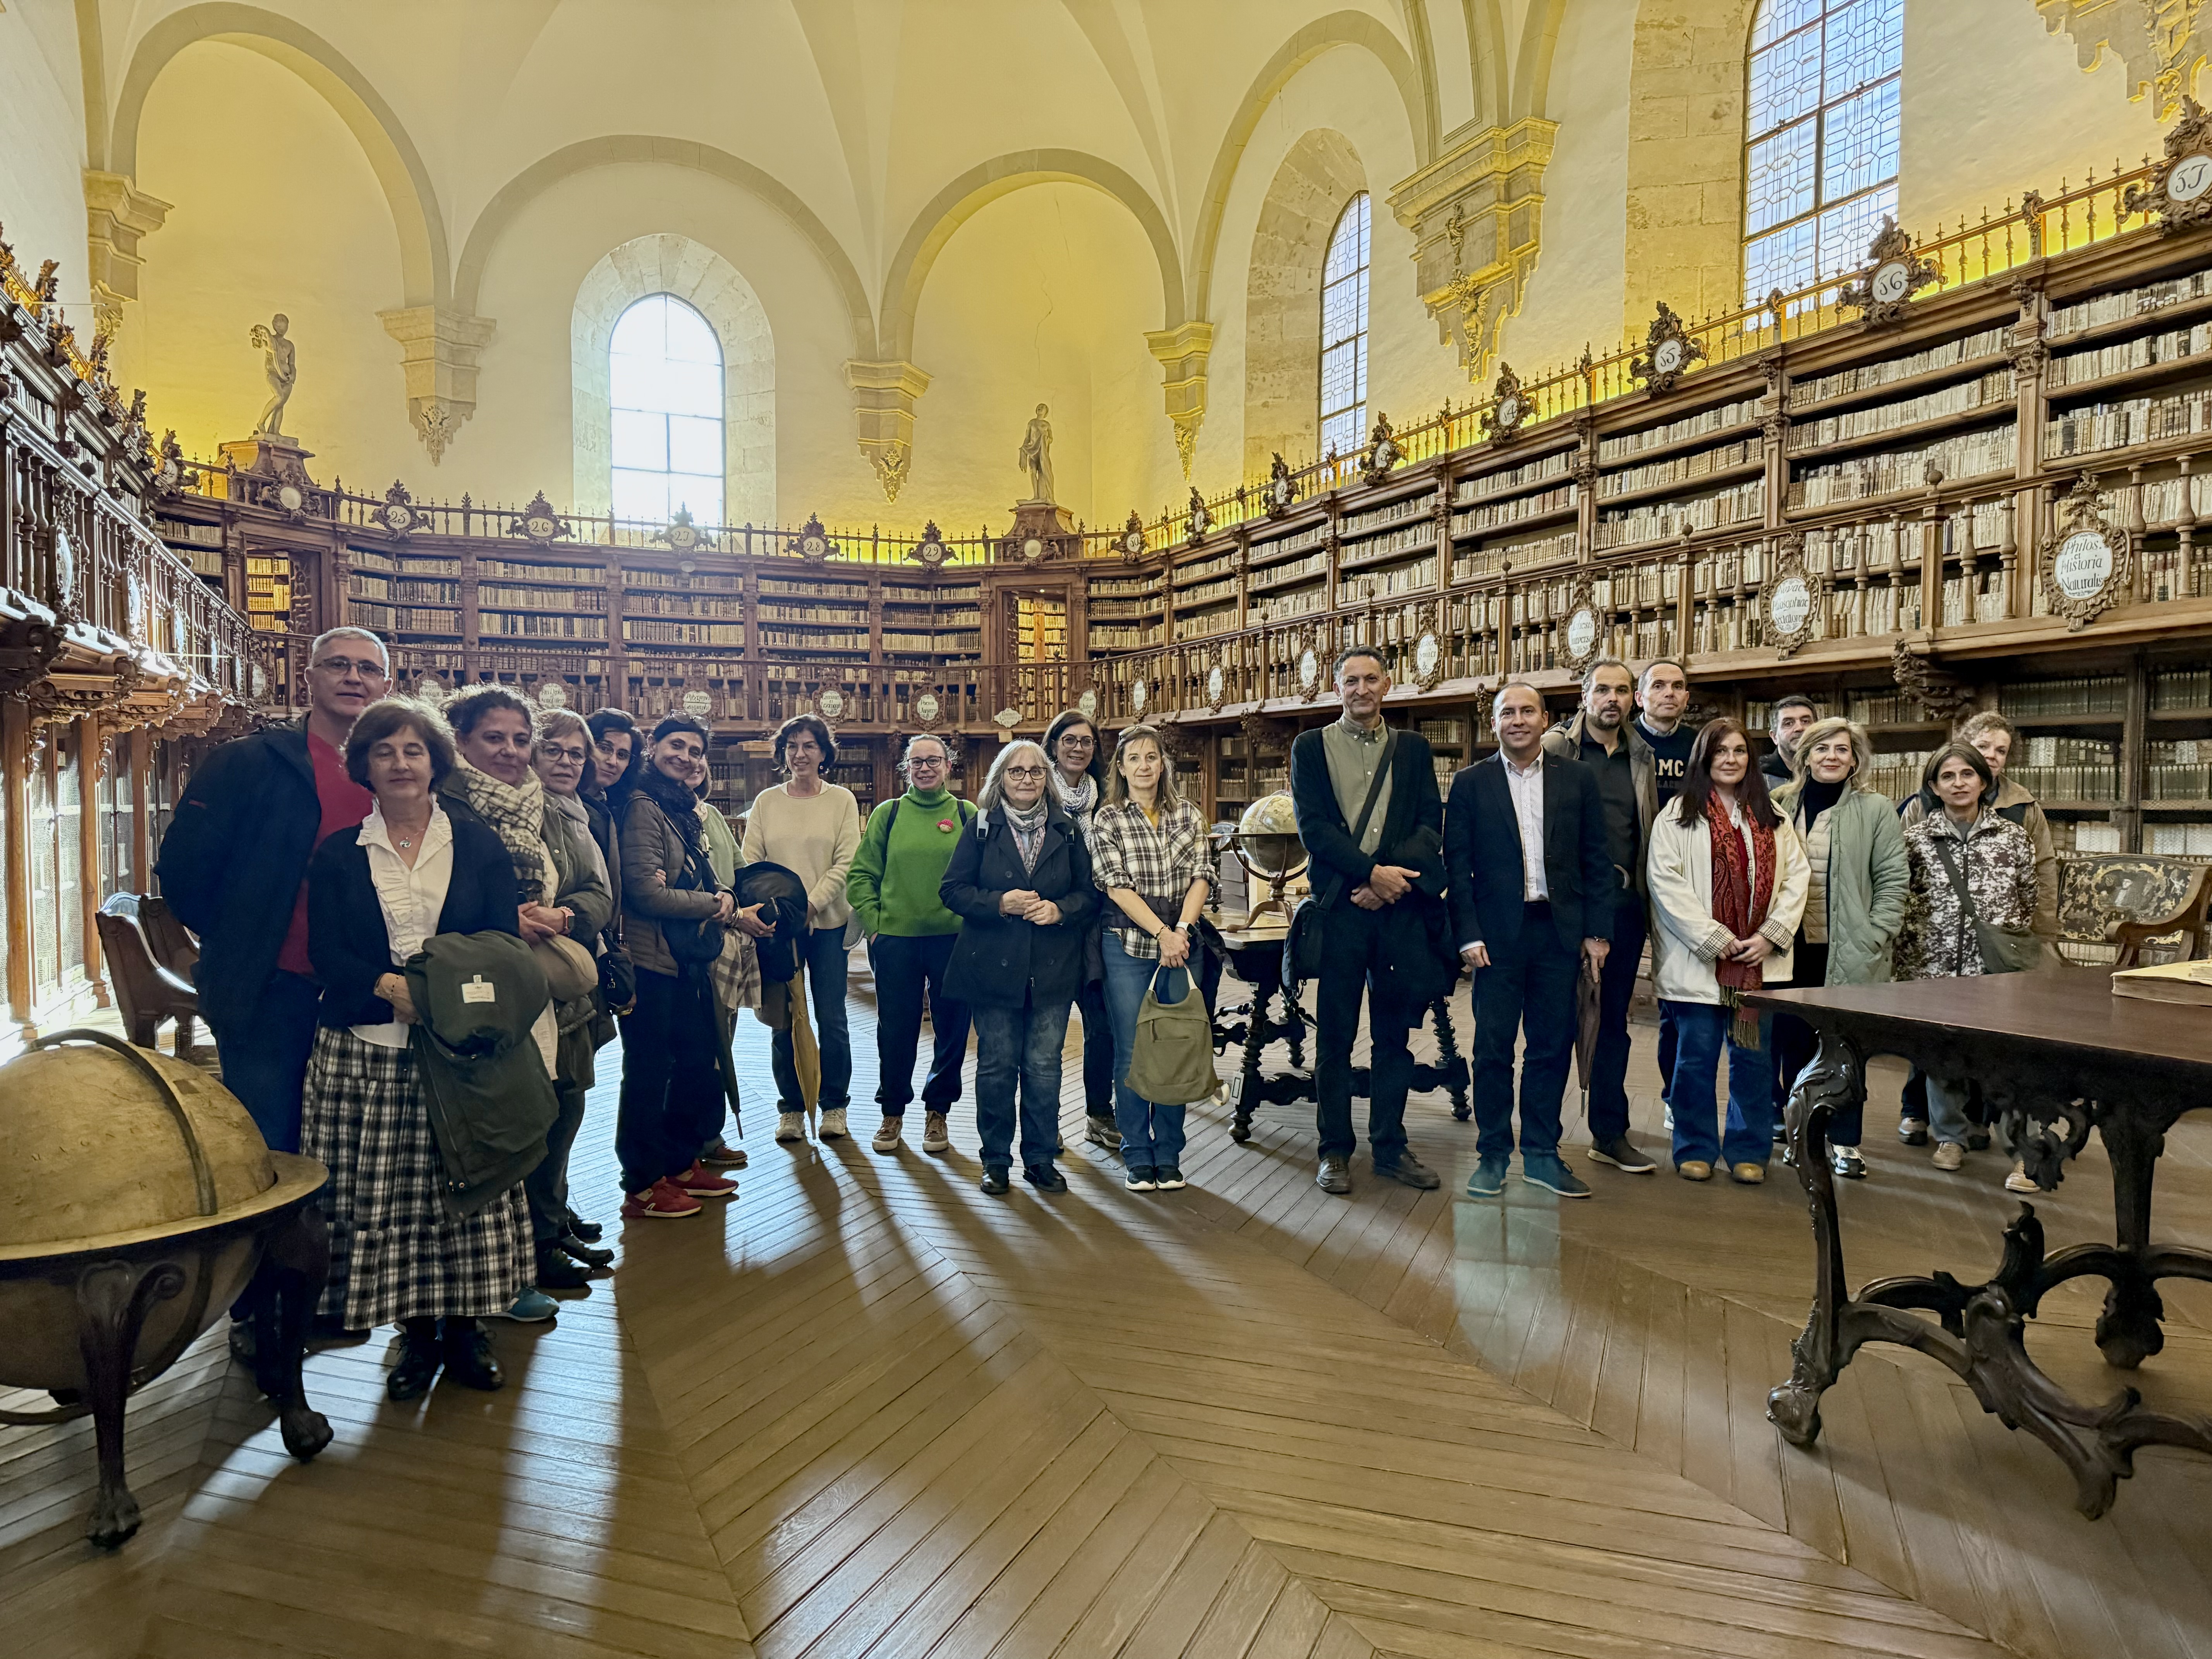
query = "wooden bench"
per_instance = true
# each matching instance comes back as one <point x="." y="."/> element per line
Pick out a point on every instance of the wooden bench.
<point x="2123" y="909"/>
<point x="146" y="990"/>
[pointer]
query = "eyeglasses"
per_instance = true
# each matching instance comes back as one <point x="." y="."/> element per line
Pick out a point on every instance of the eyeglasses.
<point x="367" y="667"/>
<point x="1078" y="740"/>
<point x="554" y="751"/>
<point x="1029" y="774"/>
<point x="919" y="761"/>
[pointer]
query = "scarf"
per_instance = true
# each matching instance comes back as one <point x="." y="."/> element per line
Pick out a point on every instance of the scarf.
<point x="677" y="802"/>
<point x="516" y="813"/>
<point x="1743" y="886"/>
<point x="1077" y="801"/>
<point x="1029" y="829"/>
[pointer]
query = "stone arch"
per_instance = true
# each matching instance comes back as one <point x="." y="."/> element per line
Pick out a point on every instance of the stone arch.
<point x="977" y="188"/>
<point x="1282" y="295"/>
<point x="425" y="269"/>
<point x="1342" y="29"/>
<point x="1686" y="127"/>
<point x="666" y="262"/>
<point x="534" y="180"/>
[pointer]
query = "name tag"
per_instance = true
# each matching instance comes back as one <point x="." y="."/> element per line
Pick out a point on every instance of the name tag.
<point x="479" y="989"/>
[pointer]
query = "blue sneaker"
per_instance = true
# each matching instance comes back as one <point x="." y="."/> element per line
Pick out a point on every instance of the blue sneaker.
<point x="1545" y="1170"/>
<point x="533" y="1307"/>
<point x="1488" y="1180"/>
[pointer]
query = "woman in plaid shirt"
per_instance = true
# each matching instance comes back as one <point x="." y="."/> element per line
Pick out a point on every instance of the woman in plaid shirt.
<point x="1148" y="851"/>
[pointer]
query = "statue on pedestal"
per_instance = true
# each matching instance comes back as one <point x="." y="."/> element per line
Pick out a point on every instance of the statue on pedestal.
<point x="282" y="368"/>
<point x="1036" y="455"/>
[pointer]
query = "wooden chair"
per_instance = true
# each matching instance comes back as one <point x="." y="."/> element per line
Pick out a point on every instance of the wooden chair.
<point x="173" y="943"/>
<point x="2126" y="903"/>
<point x="147" y="992"/>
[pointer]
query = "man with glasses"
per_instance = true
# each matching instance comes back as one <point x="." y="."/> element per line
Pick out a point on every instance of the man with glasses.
<point x="234" y="868"/>
<point x="894" y="886"/>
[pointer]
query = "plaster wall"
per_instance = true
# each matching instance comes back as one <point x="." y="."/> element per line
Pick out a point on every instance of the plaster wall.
<point x="42" y="147"/>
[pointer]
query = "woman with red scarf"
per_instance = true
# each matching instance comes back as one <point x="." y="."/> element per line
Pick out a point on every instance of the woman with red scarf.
<point x="1727" y="875"/>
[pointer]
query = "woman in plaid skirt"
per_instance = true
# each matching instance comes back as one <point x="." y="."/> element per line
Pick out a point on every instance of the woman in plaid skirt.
<point x="411" y="870"/>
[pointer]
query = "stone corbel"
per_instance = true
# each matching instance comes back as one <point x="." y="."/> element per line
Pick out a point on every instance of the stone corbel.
<point x="883" y="404"/>
<point x="117" y="214"/>
<point x="1476" y="213"/>
<point x="1182" y="352"/>
<point x="438" y="352"/>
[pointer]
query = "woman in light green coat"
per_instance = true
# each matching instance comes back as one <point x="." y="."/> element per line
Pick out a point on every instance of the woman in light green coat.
<point x="1856" y="902"/>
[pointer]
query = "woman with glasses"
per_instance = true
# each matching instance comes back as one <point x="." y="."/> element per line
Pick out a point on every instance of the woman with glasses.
<point x="1079" y="775"/>
<point x="812" y="828"/>
<point x="1020" y="882"/>
<point x="894" y="886"/>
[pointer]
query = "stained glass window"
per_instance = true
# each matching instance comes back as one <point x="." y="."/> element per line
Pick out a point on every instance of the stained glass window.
<point x="665" y="392"/>
<point x="1344" y="333"/>
<point x="1821" y="138"/>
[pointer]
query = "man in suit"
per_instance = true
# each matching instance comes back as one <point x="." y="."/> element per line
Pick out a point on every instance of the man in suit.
<point x="1532" y="886"/>
<point x="1370" y="880"/>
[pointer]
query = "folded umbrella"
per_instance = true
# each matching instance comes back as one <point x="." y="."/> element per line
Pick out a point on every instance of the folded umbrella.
<point x="1588" y="993"/>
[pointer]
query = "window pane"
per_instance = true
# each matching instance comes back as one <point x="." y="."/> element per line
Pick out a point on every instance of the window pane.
<point x="1866" y="41"/>
<point x="1785" y="82"/>
<point x="1846" y="232"/>
<point x="665" y="385"/>
<point x="1777" y="183"/>
<point x="1343" y="331"/>
<point x="694" y="445"/>
<point x="1348" y="247"/>
<point x="1858" y="150"/>
<point x="641" y="439"/>
<point x="1341" y="311"/>
<point x="1339" y="377"/>
<point x="1779" y="18"/>
<point x="1783" y="260"/>
<point x="1341" y="433"/>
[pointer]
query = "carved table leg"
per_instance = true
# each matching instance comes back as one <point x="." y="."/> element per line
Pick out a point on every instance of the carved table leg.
<point x="1835" y="1077"/>
<point x="113" y="1298"/>
<point x="296" y="1266"/>
<point x="1295" y="1027"/>
<point x="2127" y="1330"/>
<point x="1451" y="1065"/>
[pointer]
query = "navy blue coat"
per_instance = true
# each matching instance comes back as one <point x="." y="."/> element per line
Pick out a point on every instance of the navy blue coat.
<point x="1001" y="961"/>
<point x="1482" y="856"/>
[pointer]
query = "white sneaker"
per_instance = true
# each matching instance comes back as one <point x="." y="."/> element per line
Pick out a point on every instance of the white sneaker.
<point x="791" y="1126"/>
<point x="1949" y="1155"/>
<point x="2020" y="1180"/>
<point x="1669" y="1120"/>
<point x="833" y="1124"/>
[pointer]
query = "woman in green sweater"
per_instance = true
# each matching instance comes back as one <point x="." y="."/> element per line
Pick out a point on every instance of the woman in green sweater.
<point x="893" y="888"/>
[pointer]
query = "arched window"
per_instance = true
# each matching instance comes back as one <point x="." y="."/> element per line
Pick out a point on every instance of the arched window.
<point x="1344" y="333"/>
<point x="1821" y="124"/>
<point x="664" y="394"/>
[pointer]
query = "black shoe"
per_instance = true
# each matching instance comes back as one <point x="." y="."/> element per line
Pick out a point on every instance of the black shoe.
<point x="1169" y="1178"/>
<point x="995" y="1180"/>
<point x="1409" y="1169"/>
<point x="1978" y="1141"/>
<point x="577" y="1250"/>
<point x="557" y="1273"/>
<point x="412" y="1377"/>
<point x="590" y="1231"/>
<point x="1043" y="1177"/>
<point x="1622" y="1154"/>
<point x="469" y="1359"/>
<point x="1334" y="1175"/>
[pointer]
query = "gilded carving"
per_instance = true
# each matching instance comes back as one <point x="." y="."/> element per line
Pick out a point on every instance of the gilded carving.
<point x="1884" y="288"/>
<point x="2179" y="190"/>
<point x="1509" y="407"/>
<point x="1669" y="351"/>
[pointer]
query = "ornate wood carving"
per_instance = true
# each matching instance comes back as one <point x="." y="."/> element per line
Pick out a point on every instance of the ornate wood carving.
<point x="1509" y="407"/>
<point x="1892" y="276"/>
<point x="2179" y="190"/>
<point x="538" y="522"/>
<point x="1937" y="693"/>
<point x="2087" y="559"/>
<point x="1669" y="351"/>
<point x="1789" y="598"/>
<point x="1282" y="488"/>
<point x="1380" y="454"/>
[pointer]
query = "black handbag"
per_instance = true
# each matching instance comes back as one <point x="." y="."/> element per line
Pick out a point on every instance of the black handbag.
<point x="1304" y="944"/>
<point x="692" y="942"/>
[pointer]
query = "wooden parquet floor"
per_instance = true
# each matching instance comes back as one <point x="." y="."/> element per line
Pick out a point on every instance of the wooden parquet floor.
<point x="867" y="1410"/>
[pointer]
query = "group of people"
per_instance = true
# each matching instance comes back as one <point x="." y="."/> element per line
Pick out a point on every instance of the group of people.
<point x="1573" y="845"/>
<point x="316" y="862"/>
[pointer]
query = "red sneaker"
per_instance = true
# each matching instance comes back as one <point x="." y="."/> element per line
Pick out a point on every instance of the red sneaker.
<point x="663" y="1201"/>
<point x="700" y="1182"/>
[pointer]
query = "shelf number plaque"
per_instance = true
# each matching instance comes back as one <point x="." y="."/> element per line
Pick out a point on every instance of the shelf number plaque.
<point x="2179" y="190"/>
<point x="1789" y="598"/>
<point x="1892" y="284"/>
<point x="2086" y="559"/>
<point x="2190" y="178"/>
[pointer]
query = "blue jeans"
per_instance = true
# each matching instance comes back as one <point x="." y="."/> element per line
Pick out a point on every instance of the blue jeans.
<point x="1152" y="1135"/>
<point x="1019" y="1046"/>
<point x="823" y="954"/>
<point x="265" y="1061"/>
<point x="904" y="964"/>
<point x="1701" y="1030"/>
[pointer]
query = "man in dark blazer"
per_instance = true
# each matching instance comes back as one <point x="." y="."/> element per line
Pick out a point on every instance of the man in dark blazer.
<point x="1372" y="886"/>
<point x="1532" y="889"/>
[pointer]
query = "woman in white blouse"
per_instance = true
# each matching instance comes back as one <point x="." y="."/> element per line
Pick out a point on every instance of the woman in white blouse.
<point x="812" y="828"/>
<point x="411" y="870"/>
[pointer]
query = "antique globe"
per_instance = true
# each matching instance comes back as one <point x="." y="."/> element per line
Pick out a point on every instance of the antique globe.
<point x="1266" y="844"/>
<point x="136" y="1198"/>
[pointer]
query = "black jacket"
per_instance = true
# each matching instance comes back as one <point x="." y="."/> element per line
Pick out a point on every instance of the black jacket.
<point x="1482" y="851"/>
<point x="346" y="934"/>
<point x="1000" y="961"/>
<point x="232" y="860"/>
<point x="1415" y="808"/>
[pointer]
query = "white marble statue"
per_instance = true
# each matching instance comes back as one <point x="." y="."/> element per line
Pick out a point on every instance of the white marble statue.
<point x="282" y="368"/>
<point x="1036" y="455"/>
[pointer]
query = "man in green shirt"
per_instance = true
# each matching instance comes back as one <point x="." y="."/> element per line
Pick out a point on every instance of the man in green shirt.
<point x="893" y="887"/>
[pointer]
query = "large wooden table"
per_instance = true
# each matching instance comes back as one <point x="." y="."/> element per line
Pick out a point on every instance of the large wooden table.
<point x="2057" y="1055"/>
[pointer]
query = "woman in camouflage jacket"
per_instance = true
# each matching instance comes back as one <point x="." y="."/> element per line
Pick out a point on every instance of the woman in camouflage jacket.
<point x="1937" y="941"/>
